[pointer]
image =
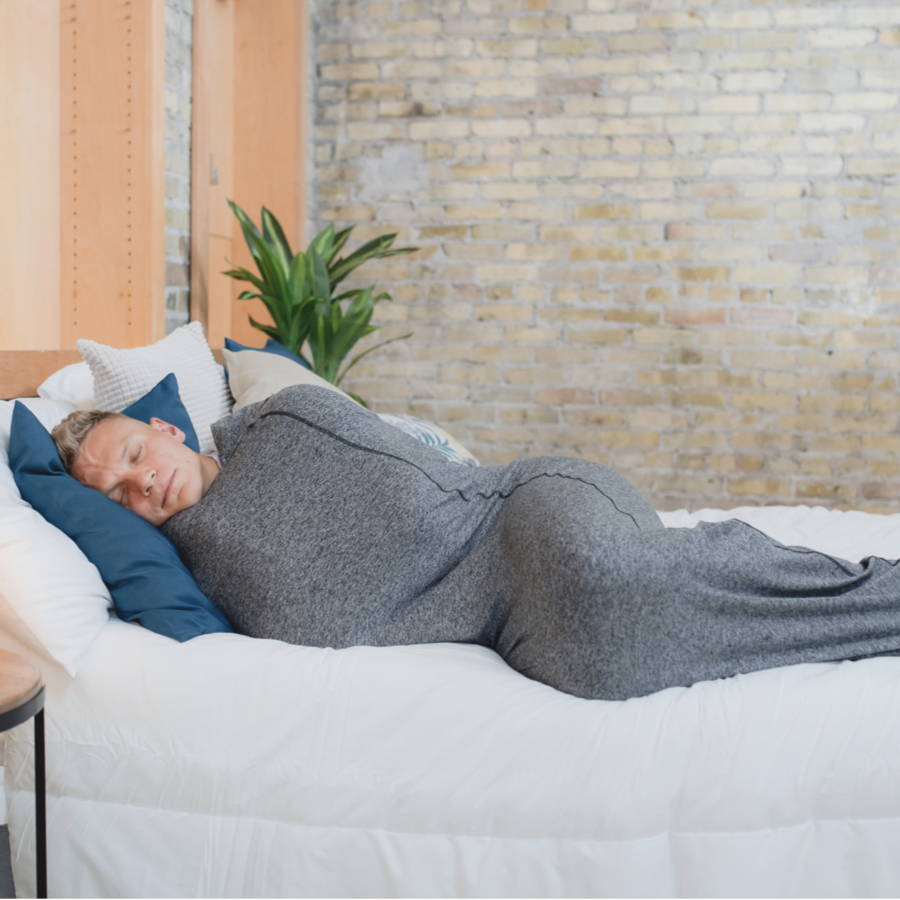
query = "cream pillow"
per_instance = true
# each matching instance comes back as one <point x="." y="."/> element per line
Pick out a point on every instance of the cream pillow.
<point x="254" y="375"/>
<point x="123" y="376"/>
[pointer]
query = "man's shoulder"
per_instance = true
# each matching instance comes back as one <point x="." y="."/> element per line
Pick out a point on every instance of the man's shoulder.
<point x="312" y="399"/>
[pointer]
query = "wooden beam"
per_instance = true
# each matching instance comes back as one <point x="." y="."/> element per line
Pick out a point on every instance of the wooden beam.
<point x="249" y="145"/>
<point x="113" y="171"/>
<point x="29" y="174"/>
<point x="212" y="130"/>
<point x="269" y="148"/>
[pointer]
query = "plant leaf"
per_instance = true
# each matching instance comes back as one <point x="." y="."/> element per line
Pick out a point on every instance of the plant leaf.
<point x="272" y="268"/>
<point x="267" y="329"/>
<point x="245" y="275"/>
<point x="319" y="334"/>
<point x="354" y="324"/>
<point x="298" y="291"/>
<point x="321" y="285"/>
<point x="339" y="240"/>
<point x="246" y="222"/>
<point x="322" y="243"/>
<point x="344" y="266"/>
<point x="274" y="233"/>
<point x="275" y="274"/>
<point x="357" y="358"/>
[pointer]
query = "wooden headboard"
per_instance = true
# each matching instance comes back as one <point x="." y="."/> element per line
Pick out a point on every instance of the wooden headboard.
<point x="21" y="371"/>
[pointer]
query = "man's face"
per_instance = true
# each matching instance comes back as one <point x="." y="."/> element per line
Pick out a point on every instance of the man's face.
<point x="146" y="468"/>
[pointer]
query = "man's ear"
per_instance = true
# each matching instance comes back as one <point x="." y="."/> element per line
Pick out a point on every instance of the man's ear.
<point x="168" y="428"/>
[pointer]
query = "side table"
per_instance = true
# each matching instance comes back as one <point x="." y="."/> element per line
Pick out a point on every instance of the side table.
<point x="21" y="697"/>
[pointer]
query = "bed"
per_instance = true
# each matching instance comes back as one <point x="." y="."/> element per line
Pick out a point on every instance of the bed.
<point x="228" y="766"/>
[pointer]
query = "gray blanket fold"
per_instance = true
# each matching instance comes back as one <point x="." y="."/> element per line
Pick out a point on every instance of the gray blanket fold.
<point x="330" y="528"/>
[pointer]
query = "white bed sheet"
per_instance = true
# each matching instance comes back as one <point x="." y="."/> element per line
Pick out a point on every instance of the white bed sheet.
<point x="237" y="767"/>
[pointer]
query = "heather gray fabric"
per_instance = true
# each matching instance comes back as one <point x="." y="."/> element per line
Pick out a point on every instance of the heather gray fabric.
<point x="331" y="528"/>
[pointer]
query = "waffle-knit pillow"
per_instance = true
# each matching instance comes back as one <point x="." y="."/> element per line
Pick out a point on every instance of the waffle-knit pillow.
<point x="122" y="376"/>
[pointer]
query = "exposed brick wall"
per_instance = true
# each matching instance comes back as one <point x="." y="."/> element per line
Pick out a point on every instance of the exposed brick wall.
<point x="660" y="234"/>
<point x="178" y="19"/>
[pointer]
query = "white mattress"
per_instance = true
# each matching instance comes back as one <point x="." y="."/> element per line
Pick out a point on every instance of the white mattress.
<point x="237" y="767"/>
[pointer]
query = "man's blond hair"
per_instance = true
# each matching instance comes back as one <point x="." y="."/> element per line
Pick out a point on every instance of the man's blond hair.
<point x="69" y="435"/>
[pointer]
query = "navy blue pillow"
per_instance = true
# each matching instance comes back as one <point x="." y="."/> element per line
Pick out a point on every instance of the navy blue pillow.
<point x="271" y="346"/>
<point x="148" y="581"/>
<point x="164" y="402"/>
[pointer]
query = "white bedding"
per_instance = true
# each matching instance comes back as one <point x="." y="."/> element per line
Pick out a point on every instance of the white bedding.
<point x="229" y="766"/>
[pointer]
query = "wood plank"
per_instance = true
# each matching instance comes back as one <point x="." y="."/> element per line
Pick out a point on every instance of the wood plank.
<point x="249" y="138"/>
<point x="21" y="371"/>
<point x="29" y="169"/>
<point x="113" y="171"/>
<point x="270" y="91"/>
<point x="211" y="167"/>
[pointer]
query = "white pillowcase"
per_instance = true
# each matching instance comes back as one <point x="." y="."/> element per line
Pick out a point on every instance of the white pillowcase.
<point x="52" y="598"/>
<point x="73" y="384"/>
<point x="123" y="376"/>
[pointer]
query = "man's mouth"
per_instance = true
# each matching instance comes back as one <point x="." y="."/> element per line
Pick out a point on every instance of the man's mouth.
<point x="168" y="489"/>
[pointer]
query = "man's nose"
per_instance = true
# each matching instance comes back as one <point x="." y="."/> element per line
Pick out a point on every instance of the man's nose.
<point x="147" y="479"/>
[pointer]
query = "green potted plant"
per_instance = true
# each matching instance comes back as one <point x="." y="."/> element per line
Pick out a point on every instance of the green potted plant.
<point x="298" y="290"/>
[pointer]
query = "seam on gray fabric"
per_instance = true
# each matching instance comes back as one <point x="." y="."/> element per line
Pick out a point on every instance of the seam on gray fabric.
<point x="500" y="494"/>
<point x="805" y="550"/>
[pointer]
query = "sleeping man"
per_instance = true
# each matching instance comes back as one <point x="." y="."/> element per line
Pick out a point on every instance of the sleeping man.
<point x="327" y="527"/>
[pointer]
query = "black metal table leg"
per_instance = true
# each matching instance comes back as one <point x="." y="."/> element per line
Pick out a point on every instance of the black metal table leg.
<point x="40" y="805"/>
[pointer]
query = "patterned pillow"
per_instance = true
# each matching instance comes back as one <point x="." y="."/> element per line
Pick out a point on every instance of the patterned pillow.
<point x="254" y="375"/>
<point x="122" y="376"/>
<point x="432" y="435"/>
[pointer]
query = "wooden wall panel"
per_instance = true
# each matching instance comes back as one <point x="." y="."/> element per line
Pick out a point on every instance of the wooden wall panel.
<point x="211" y="167"/>
<point x="83" y="245"/>
<point x="29" y="174"/>
<point x="112" y="171"/>
<point x="249" y="145"/>
<point x="269" y="157"/>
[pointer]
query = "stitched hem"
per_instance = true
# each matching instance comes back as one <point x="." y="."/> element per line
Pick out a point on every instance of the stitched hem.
<point x="437" y="484"/>
<point x="840" y="563"/>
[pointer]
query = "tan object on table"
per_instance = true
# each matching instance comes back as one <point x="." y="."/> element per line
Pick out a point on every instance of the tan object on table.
<point x="19" y="681"/>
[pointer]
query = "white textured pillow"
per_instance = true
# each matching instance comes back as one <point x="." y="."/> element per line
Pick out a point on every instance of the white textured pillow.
<point x="254" y="375"/>
<point x="52" y="597"/>
<point x="123" y="376"/>
<point x="72" y="384"/>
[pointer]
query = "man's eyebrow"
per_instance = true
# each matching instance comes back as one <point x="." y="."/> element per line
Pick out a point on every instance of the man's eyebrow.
<point x="122" y="452"/>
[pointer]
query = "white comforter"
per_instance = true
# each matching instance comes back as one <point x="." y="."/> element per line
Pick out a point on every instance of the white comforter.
<point x="237" y="767"/>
